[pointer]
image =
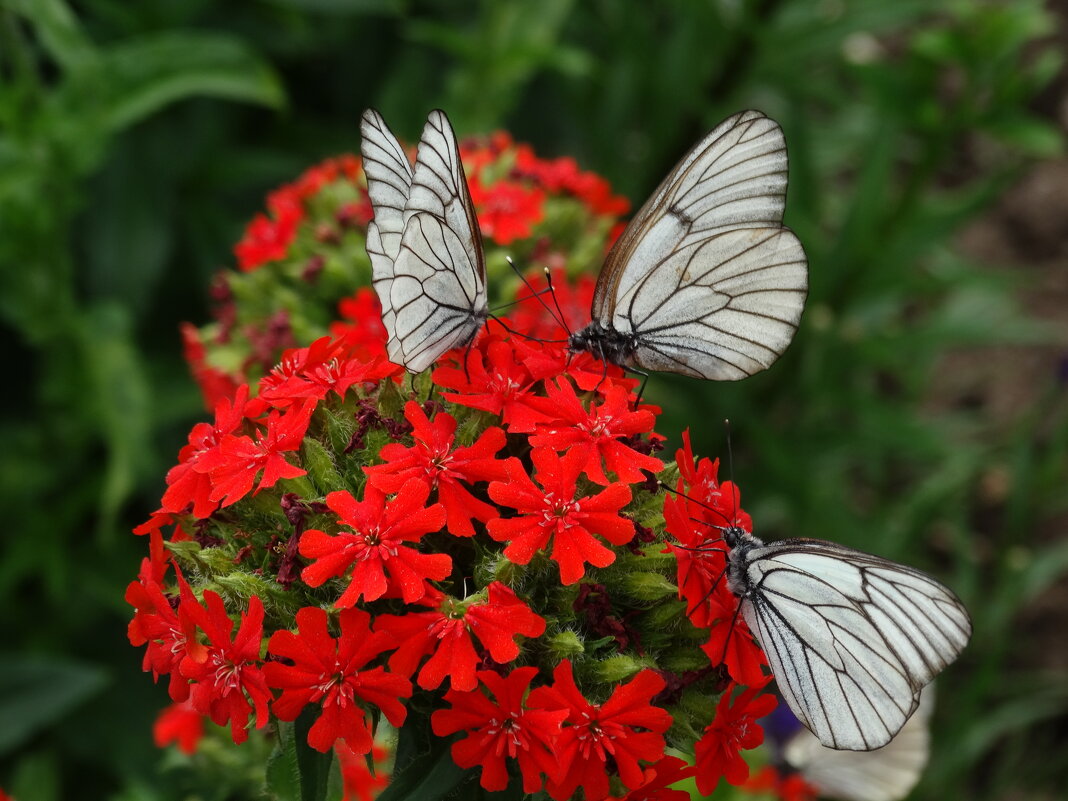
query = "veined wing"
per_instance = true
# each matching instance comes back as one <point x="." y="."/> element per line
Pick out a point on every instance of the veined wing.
<point x="733" y="178"/>
<point x="389" y="179"/>
<point x="851" y="638"/>
<point x="438" y="294"/>
<point x="885" y="774"/>
<point x="439" y="187"/>
<point x="722" y="307"/>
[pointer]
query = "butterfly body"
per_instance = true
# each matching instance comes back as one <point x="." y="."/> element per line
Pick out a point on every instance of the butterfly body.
<point x="605" y="343"/>
<point x="851" y="638"/>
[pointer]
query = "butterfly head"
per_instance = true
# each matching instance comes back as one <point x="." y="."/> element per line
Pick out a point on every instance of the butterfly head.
<point x="734" y="536"/>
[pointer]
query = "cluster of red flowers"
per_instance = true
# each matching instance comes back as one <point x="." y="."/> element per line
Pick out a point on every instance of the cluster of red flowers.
<point x="268" y="237"/>
<point x="529" y="477"/>
<point x="487" y="547"/>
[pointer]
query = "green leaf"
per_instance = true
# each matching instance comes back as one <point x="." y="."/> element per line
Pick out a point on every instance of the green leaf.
<point x="58" y="30"/>
<point x="35" y="693"/>
<point x="296" y="771"/>
<point x="424" y="770"/>
<point x="144" y="75"/>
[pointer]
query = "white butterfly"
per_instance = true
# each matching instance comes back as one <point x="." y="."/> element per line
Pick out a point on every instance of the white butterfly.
<point x="885" y="774"/>
<point x="851" y="638"/>
<point x="705" y="280"/>
<point x="424" y="242"/>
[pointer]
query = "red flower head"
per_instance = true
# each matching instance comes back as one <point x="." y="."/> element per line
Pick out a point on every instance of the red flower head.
<point x="358" y="783"/>
<point x="786" y="787"/>
<point x="375" y="546"/>
<point x="269" y="239"/>
<point x="332" y="672"/>
<point x="181" y="724"/>
<point x="626" y="728"/>
<point x="435" y="462"/>
<point x="657" y="777"/>
<point x="507" y="211"/>
<point x="447" y="633"/>
<point x="553" y="513"/>
<point x="500" y="727"/>
<point x="735" y="728"/>
<point x="596" y="433"/>
<point x="227" y="669"/>
<point x="156" y="624"/>
<point x="495" y="381"/>
<point x="234" y="464"/>
<point x="185" y="483"/>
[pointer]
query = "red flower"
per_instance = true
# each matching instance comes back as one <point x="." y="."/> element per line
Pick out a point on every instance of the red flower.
<point x="156" y="624"/>
<point x="228" y="669"/>
<point x="333" y="673"/>
<point x="375" y="546"/>
<point x="626" y="728"/>
<point x="361" y="329"/>
<point x="268" y="239"/>
<point x="317" y="370"/>
<point x="734" y="728"/>
<point x="507" y="211"/>
<point x="501" y="729"/>
<point x="732" y="644"/>
<point x="185" y="483"/>
<point x="181" y="724"/>
<point x="713" y="503"/>
<point x="433" y="461"/>
<point x="215" y="384"/>
<point x="358" y="783"/>
<point x="595" y="433"/>
<point x="494" y="381"/>
<point x="236" y="462"/>
<point x="787" y="787"/>
<point x="447" y="632"/>
<point x="552" y="512"/>
<point x="656" y="779"/>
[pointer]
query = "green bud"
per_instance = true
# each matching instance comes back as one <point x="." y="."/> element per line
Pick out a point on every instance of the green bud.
<point x="644" y="586"/>
<point x="617" y="668"/>
<point x="319" y="463"/>
<point x="565" y="645"/>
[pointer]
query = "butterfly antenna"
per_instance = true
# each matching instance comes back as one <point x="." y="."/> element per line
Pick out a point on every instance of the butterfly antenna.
<point x="556" y="302"/>
<point x="730" y="471"/>
<point x="537" y="294"/>
<point x="703" y="505"/>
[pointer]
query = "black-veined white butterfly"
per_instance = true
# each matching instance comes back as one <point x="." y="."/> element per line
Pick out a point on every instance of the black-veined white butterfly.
<point x="705" y="280"/>
<point x="851" y="638"/>
<point x="885" y="774"/>
<point x="424" y="242"/>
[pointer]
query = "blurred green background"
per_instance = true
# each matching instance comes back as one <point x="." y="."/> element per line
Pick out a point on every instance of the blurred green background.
<point x="922" y="412"/>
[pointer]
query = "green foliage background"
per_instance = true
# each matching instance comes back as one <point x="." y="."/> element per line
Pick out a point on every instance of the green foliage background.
<point x="136" y="139"/>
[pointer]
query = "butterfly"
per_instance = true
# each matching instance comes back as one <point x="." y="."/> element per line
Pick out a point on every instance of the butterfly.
<point x="427" y="265"/>
<point x="851" y="638"/>
<point x="885" y="774"/>
<point x="705" y="280"/>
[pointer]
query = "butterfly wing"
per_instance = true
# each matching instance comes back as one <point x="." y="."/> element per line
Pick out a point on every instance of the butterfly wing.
<point x="705" y="278"/>
<point x="885" y="774"/>
<point x="439" y="286"/>
<point x="389" y="180"/>
<point x="851" y="638"/>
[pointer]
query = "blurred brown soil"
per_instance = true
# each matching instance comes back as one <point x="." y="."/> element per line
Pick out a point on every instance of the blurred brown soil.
<point x="1026" y="235"/>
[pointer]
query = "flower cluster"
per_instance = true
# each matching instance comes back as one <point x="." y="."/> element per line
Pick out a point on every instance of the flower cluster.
<point x="484" y="552"/>
<point x="299" y="261"/>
